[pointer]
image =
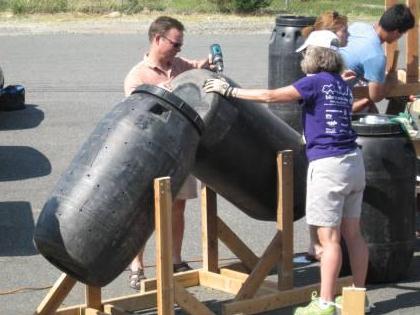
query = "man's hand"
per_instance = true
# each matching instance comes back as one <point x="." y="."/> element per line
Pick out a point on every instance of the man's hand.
<point x="220" y="86"/>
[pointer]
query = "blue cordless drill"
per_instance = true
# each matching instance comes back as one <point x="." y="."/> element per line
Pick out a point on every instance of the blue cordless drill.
<point x="217" y="57"/>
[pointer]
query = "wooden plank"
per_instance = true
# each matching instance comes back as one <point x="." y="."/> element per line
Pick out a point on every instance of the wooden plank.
<point x="93" y="297"/>
<point x="263" y="267"/>
<point x="395" y="90"/>
<point x="56" y="295"/>
<point x="114" y="310"/>
<point x="134" y="302"/>
<point x="130" y="303"/>
<point x="219" y="282"/>
<point x="236" y="245"/>
<point x="285" y="218"/>
<point x="71" y="310"/>
<point x="412" y="45"/>
<point x="188" y="278"/>
<point x="353" y="301"/>
<point x="189" y="303"/>
<point x="164" y="266"/>
<point x="92" y="311"/>
<point x="390" y="48"/>
<point x="209" y="229"/>
<point x="278" y="300"/>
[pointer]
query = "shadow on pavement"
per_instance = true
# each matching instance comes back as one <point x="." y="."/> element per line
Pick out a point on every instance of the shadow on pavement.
<point x="28" y="118"/>
<point x="22" y="162"/>
<point x="16" y="229"/>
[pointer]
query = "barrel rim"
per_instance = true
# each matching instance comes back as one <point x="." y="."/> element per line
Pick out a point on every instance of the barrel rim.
<point x="175" y="102"/>
<point x="380" y="129"/>
<point x="294" y="20"/>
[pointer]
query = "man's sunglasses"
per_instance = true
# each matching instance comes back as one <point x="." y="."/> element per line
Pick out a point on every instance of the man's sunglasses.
<point x="174" y="44"/>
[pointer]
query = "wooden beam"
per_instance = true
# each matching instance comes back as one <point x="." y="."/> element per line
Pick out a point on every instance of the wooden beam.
<point x="285" y="218"/>
<point x="93" y="297"/>
<point x="236" y="245"/>
<point x="261" y="270"/>
<point x="412" y="45"/>
<point x="209" y="229"/>
<point x="396" y="90"/>
<point x="114" y="310"/>
<point x="56" y="295"/>
<point x="219" y="282"/>
<point x="188" y="278"/>
<point x="164" y="265"/>
<point x="278" y="300"/>
<point x="189" y="303"/>
<point x="353" y="301"/>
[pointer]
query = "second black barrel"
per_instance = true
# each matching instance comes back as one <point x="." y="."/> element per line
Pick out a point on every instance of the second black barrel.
<point x="284" y="63"/>
<point x="388" y="210"/>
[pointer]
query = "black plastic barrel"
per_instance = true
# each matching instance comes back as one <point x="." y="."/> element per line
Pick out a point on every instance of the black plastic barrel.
<point x="236" y="156"/>
<point x="284" y="63"/>
<point x="388" y="210"/>
<point x="101" y="211"/>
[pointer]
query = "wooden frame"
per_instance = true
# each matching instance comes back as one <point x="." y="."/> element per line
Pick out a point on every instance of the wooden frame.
<point x="253" y="294"/>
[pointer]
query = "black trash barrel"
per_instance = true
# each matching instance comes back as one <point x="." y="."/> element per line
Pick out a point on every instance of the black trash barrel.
<point x="236" y="156"/>
<point x="284" y="63"/>
<point x="101" y="211"/>
<point x="388" y="210"/>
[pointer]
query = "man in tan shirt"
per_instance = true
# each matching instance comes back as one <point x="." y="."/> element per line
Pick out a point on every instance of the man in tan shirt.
<point x="158" y="67"/>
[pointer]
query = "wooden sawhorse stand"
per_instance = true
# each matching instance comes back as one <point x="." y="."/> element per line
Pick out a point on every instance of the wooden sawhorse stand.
<point x="253" y="294"/>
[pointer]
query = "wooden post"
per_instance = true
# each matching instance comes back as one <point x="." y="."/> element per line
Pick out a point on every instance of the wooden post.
<point x="353" y="301"/>
<point x="93" y="297"/>
<point x="56" y="295"/>
<point x="164" y="265"/>
<point x="285" y="218"/>
<point x="209" y="229"/>
<point x="412" y="45"/>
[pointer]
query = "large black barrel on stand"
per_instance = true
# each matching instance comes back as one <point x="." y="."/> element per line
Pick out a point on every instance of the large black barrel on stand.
<point x="236" y="156"/>
<point x="101" y="211"/>
<point x="388" y="210"/>
<point x="284" y="63"/>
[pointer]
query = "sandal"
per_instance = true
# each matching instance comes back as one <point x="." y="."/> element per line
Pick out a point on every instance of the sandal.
<point x="135" y="278"/>
<point x="181" y="267"/>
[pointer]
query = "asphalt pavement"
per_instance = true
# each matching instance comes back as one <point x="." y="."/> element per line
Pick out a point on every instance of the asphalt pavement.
<point x="72" y="81"/>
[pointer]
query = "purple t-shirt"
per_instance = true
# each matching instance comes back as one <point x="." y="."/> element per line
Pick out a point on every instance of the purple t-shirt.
<point x="327" y="102"/>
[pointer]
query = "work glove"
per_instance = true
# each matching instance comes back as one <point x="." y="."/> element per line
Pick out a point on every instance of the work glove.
<point x="220" y="86"/>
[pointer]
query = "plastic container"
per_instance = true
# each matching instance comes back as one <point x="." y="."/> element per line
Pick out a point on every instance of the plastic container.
<point x="388" y="210"/>
<point x="284" y="63"/>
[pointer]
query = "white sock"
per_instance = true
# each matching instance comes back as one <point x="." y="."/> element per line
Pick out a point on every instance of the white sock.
<point x="324" y="304"/>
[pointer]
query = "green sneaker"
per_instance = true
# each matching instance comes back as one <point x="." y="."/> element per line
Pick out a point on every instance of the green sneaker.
<point x="368" y="306"/>
<point x="313" y="308"/>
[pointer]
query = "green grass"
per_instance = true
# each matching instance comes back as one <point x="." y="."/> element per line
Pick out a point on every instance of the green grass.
<point x="351" y="8"/>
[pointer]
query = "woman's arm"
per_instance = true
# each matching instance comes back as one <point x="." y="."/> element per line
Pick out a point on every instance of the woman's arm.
<point x="284" y="94"/>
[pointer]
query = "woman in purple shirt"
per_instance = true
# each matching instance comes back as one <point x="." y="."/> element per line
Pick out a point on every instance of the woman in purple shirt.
<point x="336" y="173"/>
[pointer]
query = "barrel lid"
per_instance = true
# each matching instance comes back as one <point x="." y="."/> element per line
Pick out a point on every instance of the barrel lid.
<point x="295" y="20"/>
<point x="375" y="125"/>
<point x="175" y="102"/>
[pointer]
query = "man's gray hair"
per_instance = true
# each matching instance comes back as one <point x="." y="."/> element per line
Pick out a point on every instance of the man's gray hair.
<point x="319" y="59"/>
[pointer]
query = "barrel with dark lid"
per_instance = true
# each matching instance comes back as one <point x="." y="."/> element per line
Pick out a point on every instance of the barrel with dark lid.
<point x="388" y="210"/>
<point x="101" y="211"/>
<point x="284" y="63"/>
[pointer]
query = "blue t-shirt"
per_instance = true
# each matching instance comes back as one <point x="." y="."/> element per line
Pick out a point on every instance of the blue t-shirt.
<point x="364" y="53"/>
<point x="327" y="102"/>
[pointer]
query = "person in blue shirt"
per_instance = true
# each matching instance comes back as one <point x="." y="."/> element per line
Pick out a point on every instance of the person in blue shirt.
<point x="336" y="173"/>
<point x="365" y="55"/>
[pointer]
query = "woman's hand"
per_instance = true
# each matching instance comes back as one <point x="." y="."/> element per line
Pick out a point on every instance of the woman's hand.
<point x="220" y="86"/>
<point x="348" y="75"/>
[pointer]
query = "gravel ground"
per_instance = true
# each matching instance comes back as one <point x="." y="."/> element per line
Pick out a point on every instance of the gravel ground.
<point x="117" y="23"/>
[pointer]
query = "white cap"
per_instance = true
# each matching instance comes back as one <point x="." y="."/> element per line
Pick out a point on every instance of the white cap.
<point x="323" y="38"/>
